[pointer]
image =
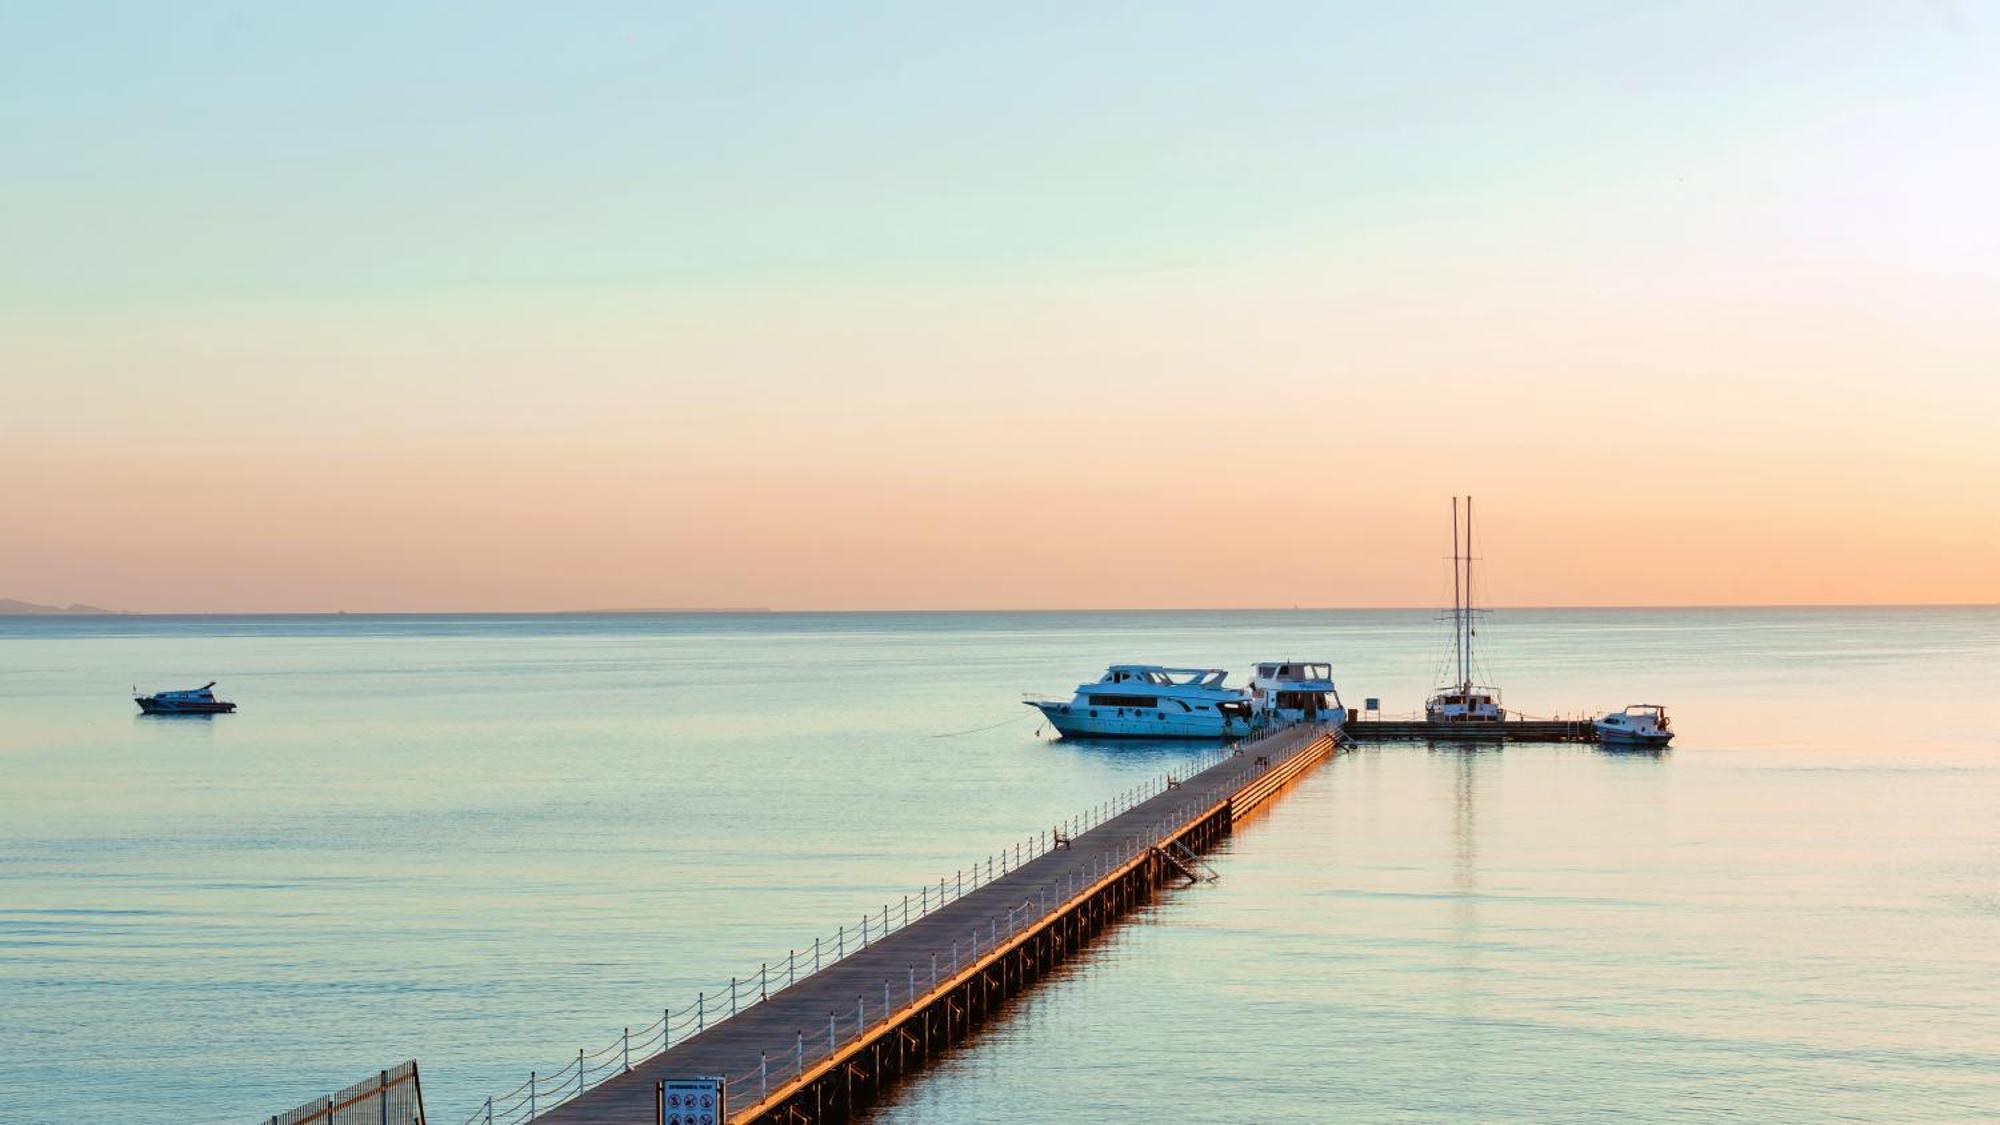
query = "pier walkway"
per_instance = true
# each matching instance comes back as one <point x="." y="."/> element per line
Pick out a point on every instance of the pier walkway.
<point x="812" y="1046"/>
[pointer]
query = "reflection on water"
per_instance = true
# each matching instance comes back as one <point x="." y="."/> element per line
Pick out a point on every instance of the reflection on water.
<point x="541" y="829"/>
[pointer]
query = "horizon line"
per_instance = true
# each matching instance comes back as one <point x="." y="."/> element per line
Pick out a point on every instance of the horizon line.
<point x="770" y="611"/>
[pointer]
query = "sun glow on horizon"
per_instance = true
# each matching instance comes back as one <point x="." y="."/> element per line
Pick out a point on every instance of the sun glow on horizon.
<point x="1066" y="309"/>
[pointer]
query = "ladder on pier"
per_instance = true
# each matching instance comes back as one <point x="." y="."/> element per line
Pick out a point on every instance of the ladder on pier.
<point x="1181" y="858"/>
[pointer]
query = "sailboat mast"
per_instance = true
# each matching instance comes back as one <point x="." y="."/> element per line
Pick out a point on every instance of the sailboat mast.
<point x="1468" y="591"/>
<point x="1459" y="613"/>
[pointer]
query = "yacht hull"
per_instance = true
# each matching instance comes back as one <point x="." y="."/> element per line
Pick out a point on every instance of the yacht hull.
<point x="1073" y="720"/>
<point x="1613" y="736"/>
<point x="169" y="707"/>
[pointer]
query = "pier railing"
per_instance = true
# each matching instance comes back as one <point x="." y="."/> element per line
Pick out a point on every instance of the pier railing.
<point x="544" y="1090"/>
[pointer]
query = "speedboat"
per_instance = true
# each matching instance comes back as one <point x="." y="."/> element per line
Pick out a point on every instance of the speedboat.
<point x="1152" y="701"/>
<point x="1296" y="691"/>
<point x="194" y="701"/>
<point x="1641" y="724"/>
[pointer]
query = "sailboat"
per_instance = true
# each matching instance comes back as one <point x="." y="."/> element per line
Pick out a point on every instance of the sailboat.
<point x="1462" y="701"/>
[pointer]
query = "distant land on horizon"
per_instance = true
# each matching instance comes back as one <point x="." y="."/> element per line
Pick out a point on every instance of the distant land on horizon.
<point x="10" y="607"/>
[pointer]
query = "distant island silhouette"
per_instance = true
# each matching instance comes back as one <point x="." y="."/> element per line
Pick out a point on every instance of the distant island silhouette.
<point x="10" y="607"/>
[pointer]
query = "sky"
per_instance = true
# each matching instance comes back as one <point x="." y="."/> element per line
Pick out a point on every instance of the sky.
<point x="427" y="307"/>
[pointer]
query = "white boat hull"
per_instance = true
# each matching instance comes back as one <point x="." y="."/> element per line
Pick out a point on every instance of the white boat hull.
<point x="1618" y="736"/>
<point x="1075" y="720"/>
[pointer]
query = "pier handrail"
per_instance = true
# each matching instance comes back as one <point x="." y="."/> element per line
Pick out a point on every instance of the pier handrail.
<point x="544" y="1091"/>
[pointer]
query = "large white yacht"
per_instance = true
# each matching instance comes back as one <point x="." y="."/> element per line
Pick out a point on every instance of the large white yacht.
<point x="1152" y="701"/>
<point x="1296" y="691"/>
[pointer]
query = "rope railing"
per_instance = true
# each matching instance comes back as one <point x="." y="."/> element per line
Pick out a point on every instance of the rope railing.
<point x="542" y="1092"/>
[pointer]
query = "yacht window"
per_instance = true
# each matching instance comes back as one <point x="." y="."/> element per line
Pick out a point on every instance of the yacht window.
<point x="1103" y="700"/>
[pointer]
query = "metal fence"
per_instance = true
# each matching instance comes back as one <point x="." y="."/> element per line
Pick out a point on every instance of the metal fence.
<point x="544" y="1090"/>
<point x="388" y="1097"/>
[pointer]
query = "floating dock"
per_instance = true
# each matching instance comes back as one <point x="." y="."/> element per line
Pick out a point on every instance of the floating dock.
<point x="1512" y="730"/>
<point x="824" y="1045"/>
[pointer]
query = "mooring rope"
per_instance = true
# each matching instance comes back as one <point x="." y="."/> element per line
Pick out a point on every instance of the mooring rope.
<point x="978" y="730"/>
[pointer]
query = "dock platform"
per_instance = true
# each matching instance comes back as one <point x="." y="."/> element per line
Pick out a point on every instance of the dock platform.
<point x="1512" y="730"/>
<point x="821" y="1046"/>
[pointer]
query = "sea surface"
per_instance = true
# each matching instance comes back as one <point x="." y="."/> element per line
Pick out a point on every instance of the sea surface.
<point x="485" y="842"/>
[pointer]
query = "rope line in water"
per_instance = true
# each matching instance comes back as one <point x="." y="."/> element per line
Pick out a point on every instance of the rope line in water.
<point x="977" y="730"/>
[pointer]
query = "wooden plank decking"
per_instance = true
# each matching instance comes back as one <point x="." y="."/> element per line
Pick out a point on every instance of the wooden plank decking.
<point x="886" y="1007"/>
<point x="1513" y="730"/>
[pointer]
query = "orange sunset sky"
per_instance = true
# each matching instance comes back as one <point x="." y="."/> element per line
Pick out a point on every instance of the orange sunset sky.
<point x="1040" y="309"/>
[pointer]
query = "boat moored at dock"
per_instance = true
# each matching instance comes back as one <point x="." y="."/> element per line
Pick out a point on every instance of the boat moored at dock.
<point x="1463" y="701"/>
<point x="193" y="701"/>
<point x="1152" y="701"/>
<point x="1641" y="724"/>
<point x="1296" y="691"/>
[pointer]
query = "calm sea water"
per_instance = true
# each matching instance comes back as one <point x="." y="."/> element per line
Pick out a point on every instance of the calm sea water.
<point x="484" y="842"/>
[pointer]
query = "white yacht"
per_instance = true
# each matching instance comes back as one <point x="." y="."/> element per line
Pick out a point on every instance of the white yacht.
<point x="1152" y="701"/>
<point x="1463" y="701"/>
<point x="1295" y="691"/>
<point x="1641" y="724"/>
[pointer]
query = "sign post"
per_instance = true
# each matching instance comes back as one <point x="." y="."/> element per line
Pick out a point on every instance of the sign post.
<point x="692" y="1101"/>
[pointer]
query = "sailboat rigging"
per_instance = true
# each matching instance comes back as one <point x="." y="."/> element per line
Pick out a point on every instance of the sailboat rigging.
<point x="1462" y="701"/>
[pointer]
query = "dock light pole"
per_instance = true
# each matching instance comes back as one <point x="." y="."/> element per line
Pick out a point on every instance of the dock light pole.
<point x="840" y="947"/>
<point x="924" y="902"/>
<point x="666" y="1028"/>
<point x="700" y="1012"/>
<point x="815" y="955"/>
<point x="732" y="996"/>
<point x="531" y="1095"/>
<point x="791" y="967"/>
<point x="628" y="1048"/>
<point x="884" y="931"/>
<point x="764" y="981"/>
<point x="489" y="1109"/>
<point x="906" y="910"/>
<point x="579" y="1072"/>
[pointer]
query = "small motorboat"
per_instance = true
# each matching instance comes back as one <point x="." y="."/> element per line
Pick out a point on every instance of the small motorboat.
<point x="194" y="701"/>
<point x="1642" y="724"/>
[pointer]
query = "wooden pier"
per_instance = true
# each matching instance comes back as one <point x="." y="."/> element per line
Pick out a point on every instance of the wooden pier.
<point x="1512" y="730"/>
<point x="824" y="1046"/>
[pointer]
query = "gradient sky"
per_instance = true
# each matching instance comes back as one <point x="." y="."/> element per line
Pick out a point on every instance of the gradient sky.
<point x="432" y="307"/>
